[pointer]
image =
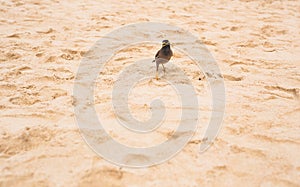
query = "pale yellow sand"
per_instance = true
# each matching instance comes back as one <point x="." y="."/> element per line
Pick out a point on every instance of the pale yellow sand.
<point x="256" y="44"/>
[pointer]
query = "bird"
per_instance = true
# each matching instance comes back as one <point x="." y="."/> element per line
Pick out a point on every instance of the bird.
<point x="163" y="56"/>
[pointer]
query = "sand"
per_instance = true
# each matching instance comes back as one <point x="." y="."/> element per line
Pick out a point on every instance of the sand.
<point x="255" y="43"/>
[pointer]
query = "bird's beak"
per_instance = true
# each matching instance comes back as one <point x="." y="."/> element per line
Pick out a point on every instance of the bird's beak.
<point x="165" y="43"/>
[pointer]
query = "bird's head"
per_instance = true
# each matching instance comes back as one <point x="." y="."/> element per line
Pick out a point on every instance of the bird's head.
<point x="165" y="43"/>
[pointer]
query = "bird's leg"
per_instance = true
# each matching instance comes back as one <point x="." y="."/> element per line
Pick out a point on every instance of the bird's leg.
<point x="156" y="76"/>
<point x="163" y="68"/>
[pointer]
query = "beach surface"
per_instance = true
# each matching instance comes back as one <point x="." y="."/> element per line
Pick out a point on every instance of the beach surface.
<point x="256" y="45"/>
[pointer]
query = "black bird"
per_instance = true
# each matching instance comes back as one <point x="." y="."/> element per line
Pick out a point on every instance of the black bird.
<point x="163" y="55"/>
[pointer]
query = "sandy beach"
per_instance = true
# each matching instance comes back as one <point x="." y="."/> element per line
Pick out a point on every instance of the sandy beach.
<point x="256" y="45"/>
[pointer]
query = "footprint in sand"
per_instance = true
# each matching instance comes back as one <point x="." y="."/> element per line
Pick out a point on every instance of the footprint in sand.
<point x="271" y="31"/>
<point x="108" y="176"/>
<point x="232" y="78"/>
<point x="26" y="140"/>
<point x="136" y="159"/>
<point x="288" y="93"/>
<point x="30" y="95"/>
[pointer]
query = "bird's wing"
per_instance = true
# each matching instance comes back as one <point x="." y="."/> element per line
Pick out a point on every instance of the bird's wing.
<point x="157" y="54"/>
